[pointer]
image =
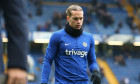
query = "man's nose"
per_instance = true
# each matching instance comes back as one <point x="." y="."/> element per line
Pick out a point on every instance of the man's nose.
<point x="78" y="21"/>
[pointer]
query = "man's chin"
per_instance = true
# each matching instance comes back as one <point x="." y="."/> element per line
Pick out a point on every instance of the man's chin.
<point x="78" y="27"/>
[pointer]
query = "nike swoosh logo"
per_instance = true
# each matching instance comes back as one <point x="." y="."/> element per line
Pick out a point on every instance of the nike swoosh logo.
<point x="67" y="44"/>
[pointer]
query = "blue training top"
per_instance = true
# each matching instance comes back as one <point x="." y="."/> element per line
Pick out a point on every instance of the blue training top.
<point x="71" y="55"/>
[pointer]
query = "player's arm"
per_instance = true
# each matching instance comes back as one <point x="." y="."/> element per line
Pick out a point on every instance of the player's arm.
<point x="93" y="66"/>
<point x="92" y="63"/>
<point x="50" y="54"/>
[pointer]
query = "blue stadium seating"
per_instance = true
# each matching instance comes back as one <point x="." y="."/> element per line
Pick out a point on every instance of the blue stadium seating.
<point x="37" y="73"/>
<point x="120" y="15"/>
<point x="47" y="15"/>
<point x="94" y="27"/>
<point x="84" y="1"/>
<point x="107" y="1"/>
<point x="115" y="12"/>
<point x="131" y="70"/>
<point x="135" y="1"/>
<point x="79" y="1"/>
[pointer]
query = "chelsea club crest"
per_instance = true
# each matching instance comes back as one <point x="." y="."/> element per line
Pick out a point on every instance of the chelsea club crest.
<point x="84" y="44"/>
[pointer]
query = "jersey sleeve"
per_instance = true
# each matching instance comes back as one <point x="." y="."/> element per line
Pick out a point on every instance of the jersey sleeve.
<point x="92" y="63"/>
<point x="49" y="56"/>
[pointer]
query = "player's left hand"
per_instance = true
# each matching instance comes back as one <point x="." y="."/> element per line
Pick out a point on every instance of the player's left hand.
<point x="96" y="77"/>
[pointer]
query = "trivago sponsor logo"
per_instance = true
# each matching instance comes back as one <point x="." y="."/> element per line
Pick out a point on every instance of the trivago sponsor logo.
<point x="73" y="52"/>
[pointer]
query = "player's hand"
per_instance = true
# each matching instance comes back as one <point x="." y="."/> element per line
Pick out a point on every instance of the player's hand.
<point x="96" y="77"/>
<point x="16" y="76"/>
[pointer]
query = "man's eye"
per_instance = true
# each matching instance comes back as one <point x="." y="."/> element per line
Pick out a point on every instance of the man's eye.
<point x="81" y="18"/>
<point x="75" y="18"/>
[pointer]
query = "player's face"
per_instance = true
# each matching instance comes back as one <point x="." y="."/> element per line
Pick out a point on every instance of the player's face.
<point x="76" y="19"/>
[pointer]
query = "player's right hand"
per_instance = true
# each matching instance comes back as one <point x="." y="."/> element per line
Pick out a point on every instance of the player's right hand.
<point x="96" y="77"/>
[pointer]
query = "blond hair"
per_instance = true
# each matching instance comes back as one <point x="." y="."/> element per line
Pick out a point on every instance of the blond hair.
<point x="73" y="8"/>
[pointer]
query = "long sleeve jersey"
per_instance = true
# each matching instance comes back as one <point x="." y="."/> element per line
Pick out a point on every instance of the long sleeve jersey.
<point x="71" y="55"/>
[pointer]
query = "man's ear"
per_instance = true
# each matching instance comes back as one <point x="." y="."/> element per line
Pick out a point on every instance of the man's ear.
<point x="68" y="18"/>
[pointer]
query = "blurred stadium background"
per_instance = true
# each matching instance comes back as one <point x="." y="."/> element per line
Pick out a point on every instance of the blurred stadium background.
<point x="115" y="25"/>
